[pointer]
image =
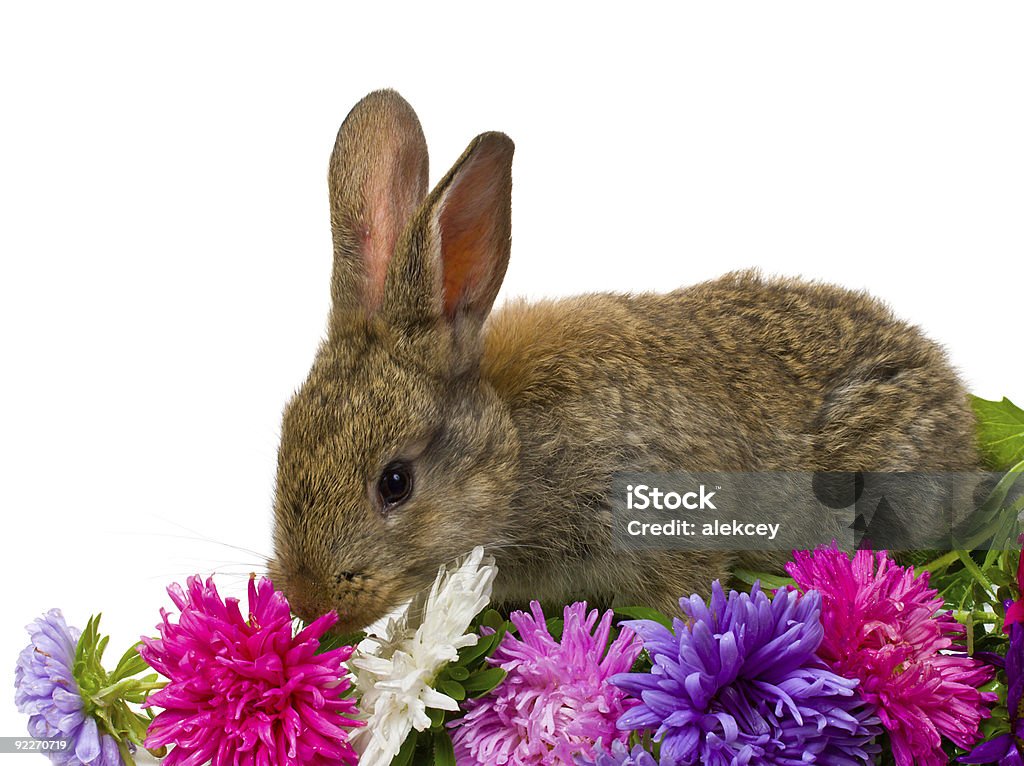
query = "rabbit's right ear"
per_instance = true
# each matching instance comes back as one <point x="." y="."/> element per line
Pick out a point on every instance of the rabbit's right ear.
<point x="377" y="180"/>
<point x="452" y="258"/>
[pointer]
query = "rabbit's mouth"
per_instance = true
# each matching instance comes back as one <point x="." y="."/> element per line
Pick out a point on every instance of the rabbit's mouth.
<point x="358" y="598"/>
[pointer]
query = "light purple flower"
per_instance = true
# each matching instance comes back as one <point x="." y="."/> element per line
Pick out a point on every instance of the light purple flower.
<point x="47" y="691"/>
<point x="738" y="682"/>
<point x="556" y="702"/>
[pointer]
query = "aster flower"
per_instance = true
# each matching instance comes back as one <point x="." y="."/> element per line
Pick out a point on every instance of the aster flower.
<point x="883" y="626"/>
<point x="247" y="691"/>
<point x="1005" y="749"/>
<point x="738" y="682"/>
<point x="619" y="755"/>
<point x="48" y="692"/>
<point x="60" y="682"/>
<point x="555" y="702"/>
<point x="396" y="669"/>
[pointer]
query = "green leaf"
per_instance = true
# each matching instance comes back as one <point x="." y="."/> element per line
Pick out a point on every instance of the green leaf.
<point x="483" y="681"/>
<point x="992" y="522"/>
<point x="129" y="664"/>
<point x="444" y="753"/>
<point x="87" y="641"/>
<point x="976" y="573"/>
<point x="332" y="641"/>
<point x="101" y="647"/>
<point x="555" y="625"/>
<point x="453" y="689"/>
<point x="493" y="620"/>
<point x="1000" y="431"/>
<point x="468" y="654"/>
<point x="458" y="673"/>
<point x="767" y="580"/>
<point x="424" y="753"/>
<point x="644" y="613"/>
<point x="436" y="716"/>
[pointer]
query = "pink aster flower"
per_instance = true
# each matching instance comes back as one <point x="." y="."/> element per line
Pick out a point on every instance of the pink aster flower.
<point x="556" y="702"/>
<point x="883" y="625"/>
<point x="247" y="691"/>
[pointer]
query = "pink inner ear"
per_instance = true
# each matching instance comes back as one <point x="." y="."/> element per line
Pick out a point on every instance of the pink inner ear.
<point x="474" y="232"/>
<point x="393" y="192"/>
<point x="466" y="256"/>
<point x="377" y="238"/>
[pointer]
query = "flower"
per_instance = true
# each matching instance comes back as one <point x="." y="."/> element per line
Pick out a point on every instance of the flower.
<point x="395" y="671"/>
<point x="883" y="626"/>
<point x="738" y="682"/>
<point x="619" y="756"/>
<point x="555" y="702"/>
<point x="47" y="690"/>
<point x="1004" y="749"/>
<point x="247" y="691"/>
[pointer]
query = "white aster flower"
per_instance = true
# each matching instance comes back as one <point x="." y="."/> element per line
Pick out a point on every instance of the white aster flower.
<point x="396" y="667"/>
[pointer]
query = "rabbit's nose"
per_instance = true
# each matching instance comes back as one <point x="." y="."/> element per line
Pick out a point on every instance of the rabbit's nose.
<point x="306" y="595"/>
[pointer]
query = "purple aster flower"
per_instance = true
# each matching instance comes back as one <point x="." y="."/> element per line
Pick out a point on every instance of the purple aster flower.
<point x="48" y="692"/>
<point x="1005" y="749"/>
<point x="620" y="755"/>
<point x="555" y="702"/>
<point x="739" y="682"/>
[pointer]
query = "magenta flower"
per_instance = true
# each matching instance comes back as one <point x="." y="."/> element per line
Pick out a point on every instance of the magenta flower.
<point x="556" y="702"/>
<point x="247" y="692"/>
<point x="883" y="626"/>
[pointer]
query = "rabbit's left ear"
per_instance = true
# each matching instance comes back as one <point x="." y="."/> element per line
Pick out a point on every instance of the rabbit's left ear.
<point x="454" y="259"/>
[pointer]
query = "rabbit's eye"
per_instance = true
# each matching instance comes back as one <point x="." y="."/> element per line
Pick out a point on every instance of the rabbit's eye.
<point x="395" y="485"/>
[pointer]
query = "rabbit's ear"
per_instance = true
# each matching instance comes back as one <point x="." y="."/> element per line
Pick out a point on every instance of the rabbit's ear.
<point x="454" y="259"/>
<point x="377" y="180"/>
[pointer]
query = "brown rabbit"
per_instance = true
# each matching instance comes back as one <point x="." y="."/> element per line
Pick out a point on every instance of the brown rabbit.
<point x="428" y="425"/>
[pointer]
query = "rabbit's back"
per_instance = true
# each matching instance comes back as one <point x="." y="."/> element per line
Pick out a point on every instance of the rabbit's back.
<point x="739" y="373"/>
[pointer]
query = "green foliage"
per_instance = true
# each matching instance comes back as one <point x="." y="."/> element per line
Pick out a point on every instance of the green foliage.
<point x="1000" y="431"/>
<point x="331" y="641"/>
<point x="976" y="583"/>
<point x="108" y="696"/>
<point x="769" y="582"/>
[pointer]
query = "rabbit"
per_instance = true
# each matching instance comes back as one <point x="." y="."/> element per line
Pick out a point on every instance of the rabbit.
<point x="429" y="424"/>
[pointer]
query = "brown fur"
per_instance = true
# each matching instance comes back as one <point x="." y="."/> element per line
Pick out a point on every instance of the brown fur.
<point x="514" y="423"/>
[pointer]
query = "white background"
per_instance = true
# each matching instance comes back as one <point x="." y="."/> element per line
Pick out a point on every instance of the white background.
<point x="165" y="246"/>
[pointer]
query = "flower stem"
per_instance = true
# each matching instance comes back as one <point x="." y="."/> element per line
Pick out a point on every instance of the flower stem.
<point x="125" y="685"/>
<point x="940" y="563"/>
<point x="963" y="614"/>
<point x="126" y="754"/>
<point x="976" y="573"/>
